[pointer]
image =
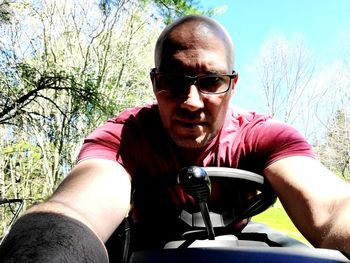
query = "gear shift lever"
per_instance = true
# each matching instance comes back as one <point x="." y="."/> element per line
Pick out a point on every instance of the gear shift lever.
<point x="195" y="182"/>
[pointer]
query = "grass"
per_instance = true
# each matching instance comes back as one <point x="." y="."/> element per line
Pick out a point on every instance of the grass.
<point x="277" y="218"/>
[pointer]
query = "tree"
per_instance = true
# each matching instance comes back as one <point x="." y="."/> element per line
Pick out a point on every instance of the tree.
<point x="172" y="9"/>
<point x="5" y="11"/>
<point x="66" y="67"/>
<point x="335" y="153"/>
<point x="284" y="70"/>
<point x="316" y="103"/>
<point x="56" y="92"/>
<point x="63" y="39"/>
<point x="332" y="112"/>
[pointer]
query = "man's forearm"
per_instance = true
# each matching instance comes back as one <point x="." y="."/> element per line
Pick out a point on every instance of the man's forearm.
<point x="337" y="230"/>
<point x="49" y="237"/>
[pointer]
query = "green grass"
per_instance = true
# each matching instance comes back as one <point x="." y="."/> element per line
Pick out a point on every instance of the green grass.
<point x="277" y="218"/>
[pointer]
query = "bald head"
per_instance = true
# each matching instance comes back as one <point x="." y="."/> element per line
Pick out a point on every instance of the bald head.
<point x="191" y="32"/>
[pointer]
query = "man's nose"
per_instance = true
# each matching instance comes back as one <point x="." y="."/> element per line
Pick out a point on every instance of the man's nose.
<point x="193" y="99"/>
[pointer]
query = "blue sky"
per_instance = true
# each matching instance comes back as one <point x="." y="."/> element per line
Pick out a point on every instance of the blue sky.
<point x="322" y="24"/>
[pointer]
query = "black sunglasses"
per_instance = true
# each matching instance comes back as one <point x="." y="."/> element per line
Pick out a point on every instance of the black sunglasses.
<point x="212" y="83"/>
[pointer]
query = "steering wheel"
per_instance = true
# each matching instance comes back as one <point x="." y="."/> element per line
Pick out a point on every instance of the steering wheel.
<point x="255" y="205"/>
<point x="221" y="250"/>
<point x="196" y="181"/>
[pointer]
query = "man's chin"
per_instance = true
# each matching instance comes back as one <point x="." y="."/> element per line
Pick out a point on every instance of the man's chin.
<point x="190" y="145"/>
<point x="193" y="143"/>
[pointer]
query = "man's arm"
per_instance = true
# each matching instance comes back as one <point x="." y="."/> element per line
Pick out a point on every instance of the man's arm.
<point x="317" y="201"/>
<point x="94" y="196"/>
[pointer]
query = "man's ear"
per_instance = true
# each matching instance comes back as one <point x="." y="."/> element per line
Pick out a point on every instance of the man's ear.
<point x="233" y="84"/>
<point x="151" y="76"/>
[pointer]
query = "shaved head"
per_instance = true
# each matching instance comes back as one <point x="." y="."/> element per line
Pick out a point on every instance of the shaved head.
<point x="191" y="30"/>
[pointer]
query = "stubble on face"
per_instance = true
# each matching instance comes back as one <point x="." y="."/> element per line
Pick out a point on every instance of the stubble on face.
<point x="190" y="129"/>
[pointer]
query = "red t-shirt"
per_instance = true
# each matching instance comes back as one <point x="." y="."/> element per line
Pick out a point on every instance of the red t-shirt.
<point x="136" y="140"/>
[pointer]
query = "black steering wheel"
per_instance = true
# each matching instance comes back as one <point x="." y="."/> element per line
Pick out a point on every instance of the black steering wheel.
<point x="255" y="205"/>
<point x="197" y="181"/>
<point x="220" y="251"/>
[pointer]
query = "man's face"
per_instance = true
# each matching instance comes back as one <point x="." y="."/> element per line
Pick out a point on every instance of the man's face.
<point x="190" y="117"/>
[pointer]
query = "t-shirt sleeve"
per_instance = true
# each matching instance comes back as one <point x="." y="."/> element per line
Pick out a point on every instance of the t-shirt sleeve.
<point x="102" y="143"/>
<point x="271" y="141"/>
<point x="115" y="141"/>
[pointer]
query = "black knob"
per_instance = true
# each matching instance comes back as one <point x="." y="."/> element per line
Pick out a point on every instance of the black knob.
<point x="195" y="182"/>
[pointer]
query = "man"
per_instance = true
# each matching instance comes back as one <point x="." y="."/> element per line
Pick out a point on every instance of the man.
<point x="129" y="165"/>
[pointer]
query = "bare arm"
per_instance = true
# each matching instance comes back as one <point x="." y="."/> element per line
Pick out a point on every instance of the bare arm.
<point x="96" y="192"/>
<point x="73" y="224"/>
<point x="317" y="201"/>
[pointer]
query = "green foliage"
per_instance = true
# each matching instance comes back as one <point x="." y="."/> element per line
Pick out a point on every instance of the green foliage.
<point x="22" y="171"/>
<point x="21" y="176"/>
<point x="170" y="10"/>
<point x="335" y="153"/>
<point x="5" y="11"/>
<point x="26" y="85"/>
<point x="8" y="213"/>
<point x="64" y="70"/>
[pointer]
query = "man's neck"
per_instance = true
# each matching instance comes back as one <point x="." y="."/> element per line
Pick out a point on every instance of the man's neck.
<point x="190" y="156"/>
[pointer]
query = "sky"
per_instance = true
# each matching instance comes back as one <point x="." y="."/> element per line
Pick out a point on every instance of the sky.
<point x="323" y="24"/>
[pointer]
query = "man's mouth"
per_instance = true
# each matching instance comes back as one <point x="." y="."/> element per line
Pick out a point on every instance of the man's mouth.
<point x="190" y="123"/>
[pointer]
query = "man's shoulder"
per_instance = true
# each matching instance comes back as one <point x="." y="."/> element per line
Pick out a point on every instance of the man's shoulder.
<point x="252" y="122"/>
<point x="241" y="117"/>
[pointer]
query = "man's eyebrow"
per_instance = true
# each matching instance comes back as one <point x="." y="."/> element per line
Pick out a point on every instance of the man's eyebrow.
<point x="212" y="72"/>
